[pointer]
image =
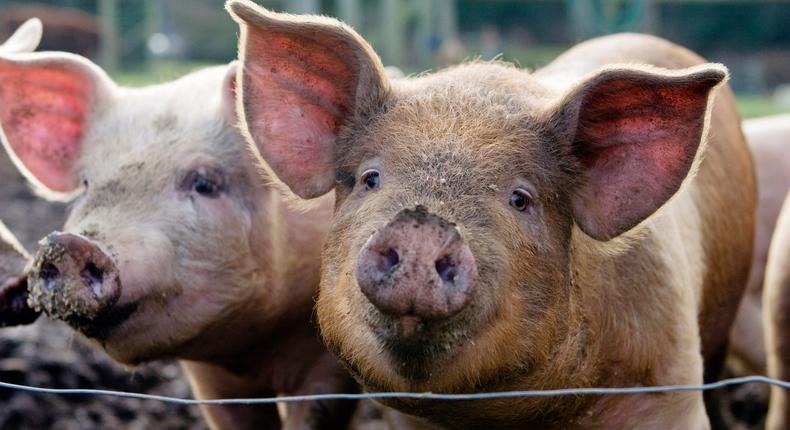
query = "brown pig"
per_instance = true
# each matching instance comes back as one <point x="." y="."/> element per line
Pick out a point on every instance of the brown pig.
<point x="776" y="299"/>
<point x="497" y="229"/>
<point x="174" y="246"/>
<point x="769" y="141"/>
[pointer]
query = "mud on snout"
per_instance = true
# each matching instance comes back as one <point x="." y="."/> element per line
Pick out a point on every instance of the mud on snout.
<point x="72" y="279"/>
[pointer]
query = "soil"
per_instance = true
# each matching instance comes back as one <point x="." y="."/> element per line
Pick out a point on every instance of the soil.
<point x="49" y="354"/>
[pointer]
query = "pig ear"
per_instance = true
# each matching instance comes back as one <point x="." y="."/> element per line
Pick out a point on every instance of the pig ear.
<point x="229" y="94"/>
<point x="301" y="79"/>
<point x="46" y="100"/>
<point x="25" y="39"/>
<point x="636" y="132"/>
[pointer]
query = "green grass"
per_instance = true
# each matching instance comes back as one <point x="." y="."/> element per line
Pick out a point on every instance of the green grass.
<point x="159" y="72"/>
<point x="532" y="57"/>
<point x="754" y="106"/>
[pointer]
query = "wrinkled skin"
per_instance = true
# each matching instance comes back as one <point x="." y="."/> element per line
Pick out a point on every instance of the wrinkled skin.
<point x="589" y="280"/>
<point x="216" y="265"/>
<point x="769" y="141"/>
<point x="776" y="299"/>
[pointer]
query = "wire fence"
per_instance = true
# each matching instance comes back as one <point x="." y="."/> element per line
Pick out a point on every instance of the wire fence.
<point x="407" y="395"/>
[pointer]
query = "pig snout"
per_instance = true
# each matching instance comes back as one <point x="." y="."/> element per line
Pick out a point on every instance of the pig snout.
<point x="417" y="267"/>
<point x="72" y="278"/>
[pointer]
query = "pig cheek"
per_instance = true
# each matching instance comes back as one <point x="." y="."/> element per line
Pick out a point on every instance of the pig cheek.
<point x="341" y="309"/>
<point x="340" y="312"/>
<point x="147" y="280"/>
<point x="166" y="315"/>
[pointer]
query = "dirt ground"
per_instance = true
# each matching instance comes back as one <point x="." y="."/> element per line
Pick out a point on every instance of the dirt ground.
<point x="49" y="354"/>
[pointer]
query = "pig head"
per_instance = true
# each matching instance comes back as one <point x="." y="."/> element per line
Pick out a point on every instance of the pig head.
<point x="497" y="230"/>
<point x="173" y="245"/>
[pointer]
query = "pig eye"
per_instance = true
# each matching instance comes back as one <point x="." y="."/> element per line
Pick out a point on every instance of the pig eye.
<point x="206" y="184"/>
<point x="371" y="179"/>
<point x="520" y="199"/>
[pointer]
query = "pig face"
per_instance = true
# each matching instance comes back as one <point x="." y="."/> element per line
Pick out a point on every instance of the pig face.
<point x="422" y="243"/>
<point x="167" y="241"/>
<point x="460" y="195"/>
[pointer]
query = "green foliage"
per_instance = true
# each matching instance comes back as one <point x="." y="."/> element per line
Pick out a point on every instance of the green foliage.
<point x="160" y="71"/>
<point x="755" y="106"/>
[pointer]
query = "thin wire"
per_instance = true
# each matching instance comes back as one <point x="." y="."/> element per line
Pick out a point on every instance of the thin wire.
<point x="405" y="395"/>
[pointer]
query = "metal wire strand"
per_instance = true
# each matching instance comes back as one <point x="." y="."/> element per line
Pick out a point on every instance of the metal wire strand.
<point x="406" y="395"/>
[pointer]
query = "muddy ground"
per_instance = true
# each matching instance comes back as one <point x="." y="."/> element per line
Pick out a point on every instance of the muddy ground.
<point x="48" y="354"/>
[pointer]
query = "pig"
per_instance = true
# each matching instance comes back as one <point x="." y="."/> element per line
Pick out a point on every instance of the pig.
<point x="13" y="258"/>
<point x="175" y="246"/>
<point x="497" y="229"/>
<point x="776" y="299"/>
<point x="13" y="282"/>
<point x="769" y="141"/>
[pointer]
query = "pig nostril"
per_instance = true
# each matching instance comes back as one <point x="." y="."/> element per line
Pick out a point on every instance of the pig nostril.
<point x="446" y="269"/>
<point x="94" y="277"/>
<point x="49" y="274"/>
<point x="388" y="260"/>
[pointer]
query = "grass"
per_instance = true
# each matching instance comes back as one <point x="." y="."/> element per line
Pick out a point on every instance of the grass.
<point x="755" y="106"/>
<point x="749" y="106"/>
<point x="161" y="71"/>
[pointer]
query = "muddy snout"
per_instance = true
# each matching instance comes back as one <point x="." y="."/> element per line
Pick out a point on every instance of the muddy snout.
<point x="417" y="267"/>
<point x="72" y="278"/>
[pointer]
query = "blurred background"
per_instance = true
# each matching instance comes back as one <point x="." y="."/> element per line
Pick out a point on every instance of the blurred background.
<point x="141" y="42"/>
<point x="144" y="41"/>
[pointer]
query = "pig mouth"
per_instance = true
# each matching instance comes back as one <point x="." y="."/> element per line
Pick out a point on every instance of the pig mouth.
<point x="103" y="324"/>
<point x="416" y="347"/>
<point x="14" y="309"/>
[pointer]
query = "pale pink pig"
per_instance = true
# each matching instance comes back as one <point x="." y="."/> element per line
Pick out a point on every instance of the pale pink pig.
<point x="176" y="245"/>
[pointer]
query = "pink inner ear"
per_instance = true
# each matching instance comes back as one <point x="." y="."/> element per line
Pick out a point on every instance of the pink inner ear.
<point x="42" y="113"/>
<point x="637" y="143"/>
<point x="297" y="93"/>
